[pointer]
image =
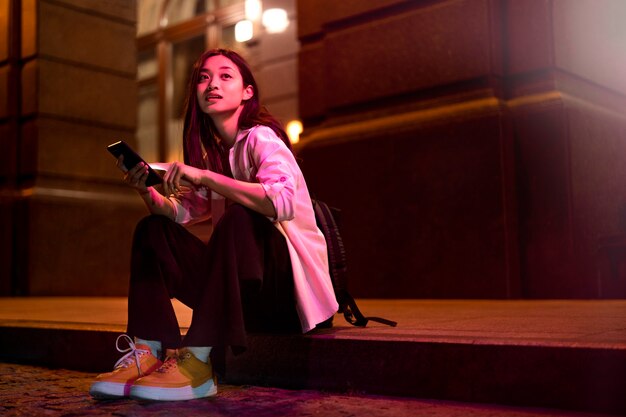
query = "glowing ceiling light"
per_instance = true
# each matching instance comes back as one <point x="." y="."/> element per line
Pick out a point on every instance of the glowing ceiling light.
<point x="294" y="128"/>
<point x="275" y="20"/>
<point x="253" y="9"/>
<point x="243" y="31"/>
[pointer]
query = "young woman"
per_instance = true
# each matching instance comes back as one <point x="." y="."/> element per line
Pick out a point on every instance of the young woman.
<point x="265" y="267"/>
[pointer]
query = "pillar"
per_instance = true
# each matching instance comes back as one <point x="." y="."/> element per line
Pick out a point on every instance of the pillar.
<point x="67" y="71"/>
<point x="475" y="146"/>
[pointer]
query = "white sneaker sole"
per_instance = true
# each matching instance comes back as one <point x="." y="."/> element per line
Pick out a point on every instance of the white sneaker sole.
<point x="141" y="392"/>
<point x="108" y="390"/>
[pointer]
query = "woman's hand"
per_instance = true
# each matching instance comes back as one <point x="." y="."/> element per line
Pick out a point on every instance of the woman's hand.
<point x="136" y="176"/>
<point x="180" y="175"/>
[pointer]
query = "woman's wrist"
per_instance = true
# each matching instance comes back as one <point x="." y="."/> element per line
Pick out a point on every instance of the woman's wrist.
<point x="205" y="179"/>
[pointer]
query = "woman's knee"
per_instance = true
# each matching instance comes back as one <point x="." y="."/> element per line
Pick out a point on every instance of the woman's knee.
<point x="236" y="211"/>
<point x="150" y="227"/>
<point x="236" y="216"/>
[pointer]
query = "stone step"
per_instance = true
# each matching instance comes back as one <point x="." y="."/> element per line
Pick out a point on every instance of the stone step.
<point x="558" y="354"/>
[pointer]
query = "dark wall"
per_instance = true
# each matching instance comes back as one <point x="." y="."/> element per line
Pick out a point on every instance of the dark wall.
<point x="67" y="88"/>
<point x="424" y="213"/>
<point x="475" y="147"/>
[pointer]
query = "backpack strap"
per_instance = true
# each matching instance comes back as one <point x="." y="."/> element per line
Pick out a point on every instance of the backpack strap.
<point x="326" y="219"/>
<point x="353" y="315"/>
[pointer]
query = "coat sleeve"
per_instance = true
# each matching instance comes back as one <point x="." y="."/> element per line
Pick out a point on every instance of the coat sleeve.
<point x="192" y="207"/>
<point x="276" y="170"/>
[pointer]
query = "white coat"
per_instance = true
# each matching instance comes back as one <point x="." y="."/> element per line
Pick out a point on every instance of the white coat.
<point x="260" y="156"/>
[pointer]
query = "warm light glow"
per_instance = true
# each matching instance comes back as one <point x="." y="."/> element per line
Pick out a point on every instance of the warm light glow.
<point x="243" y="31"/>
<point x="275" y="20"/>
<point x="294" y="128"/>
<point x="253" y="9"/>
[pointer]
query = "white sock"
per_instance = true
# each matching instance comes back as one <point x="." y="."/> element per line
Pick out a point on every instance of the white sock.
<point x="155" y="345"/>
<point x="200" y="352"/>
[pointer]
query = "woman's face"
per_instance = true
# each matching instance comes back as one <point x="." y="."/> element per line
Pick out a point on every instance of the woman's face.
<point x="220" y="87"/>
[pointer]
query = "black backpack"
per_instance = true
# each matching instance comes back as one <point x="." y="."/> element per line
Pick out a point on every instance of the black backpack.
<point x="327" y="220"/>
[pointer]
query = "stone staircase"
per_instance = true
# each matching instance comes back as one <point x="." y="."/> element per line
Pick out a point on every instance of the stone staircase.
<point x="568" y="355"/>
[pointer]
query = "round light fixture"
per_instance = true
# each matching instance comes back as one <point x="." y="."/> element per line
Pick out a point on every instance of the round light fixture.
<point x="275" y="20"/>
<point x="253" y="9"/>
<point x="243" y="31"/>
<point x="294" y="128"/>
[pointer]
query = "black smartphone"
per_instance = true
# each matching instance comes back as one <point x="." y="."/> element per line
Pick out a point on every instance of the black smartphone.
<point x="131" y="158"/>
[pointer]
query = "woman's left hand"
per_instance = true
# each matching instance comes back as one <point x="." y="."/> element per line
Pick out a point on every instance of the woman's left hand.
<point x="180" y="175"/>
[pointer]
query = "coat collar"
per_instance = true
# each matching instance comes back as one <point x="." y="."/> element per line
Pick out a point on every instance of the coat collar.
<point x="242" y="134"/>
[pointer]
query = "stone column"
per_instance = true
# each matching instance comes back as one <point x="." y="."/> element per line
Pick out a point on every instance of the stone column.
<point x="476" y="147"/>
<point x="68" y="74"/>
<point x="567" y="94"/>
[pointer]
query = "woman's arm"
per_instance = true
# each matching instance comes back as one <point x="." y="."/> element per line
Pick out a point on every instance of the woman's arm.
<point x="155" y="202"/>
<point x="248" y="194"/>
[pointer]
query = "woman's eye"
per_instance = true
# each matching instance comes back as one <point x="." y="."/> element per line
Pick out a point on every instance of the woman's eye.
<point x="227" y="76"/>
<point x="203" y="77"/>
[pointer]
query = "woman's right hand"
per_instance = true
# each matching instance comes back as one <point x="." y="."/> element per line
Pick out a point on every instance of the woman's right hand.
<point x="136" y="176"/>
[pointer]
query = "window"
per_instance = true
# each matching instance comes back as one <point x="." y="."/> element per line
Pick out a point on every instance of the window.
<point x="171" y="34"/>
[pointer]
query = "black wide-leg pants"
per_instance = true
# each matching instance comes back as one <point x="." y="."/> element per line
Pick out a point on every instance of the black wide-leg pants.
<point x="240" y="281"/>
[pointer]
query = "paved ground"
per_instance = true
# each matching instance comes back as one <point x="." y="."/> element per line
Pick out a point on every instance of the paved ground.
<point x="33" y="391"/>
<point x="585" y="326"/>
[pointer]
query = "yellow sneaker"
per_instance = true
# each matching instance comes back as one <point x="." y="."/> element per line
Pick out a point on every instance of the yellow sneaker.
<point x="182" y="377"/>
<point x="139" y="361"/>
